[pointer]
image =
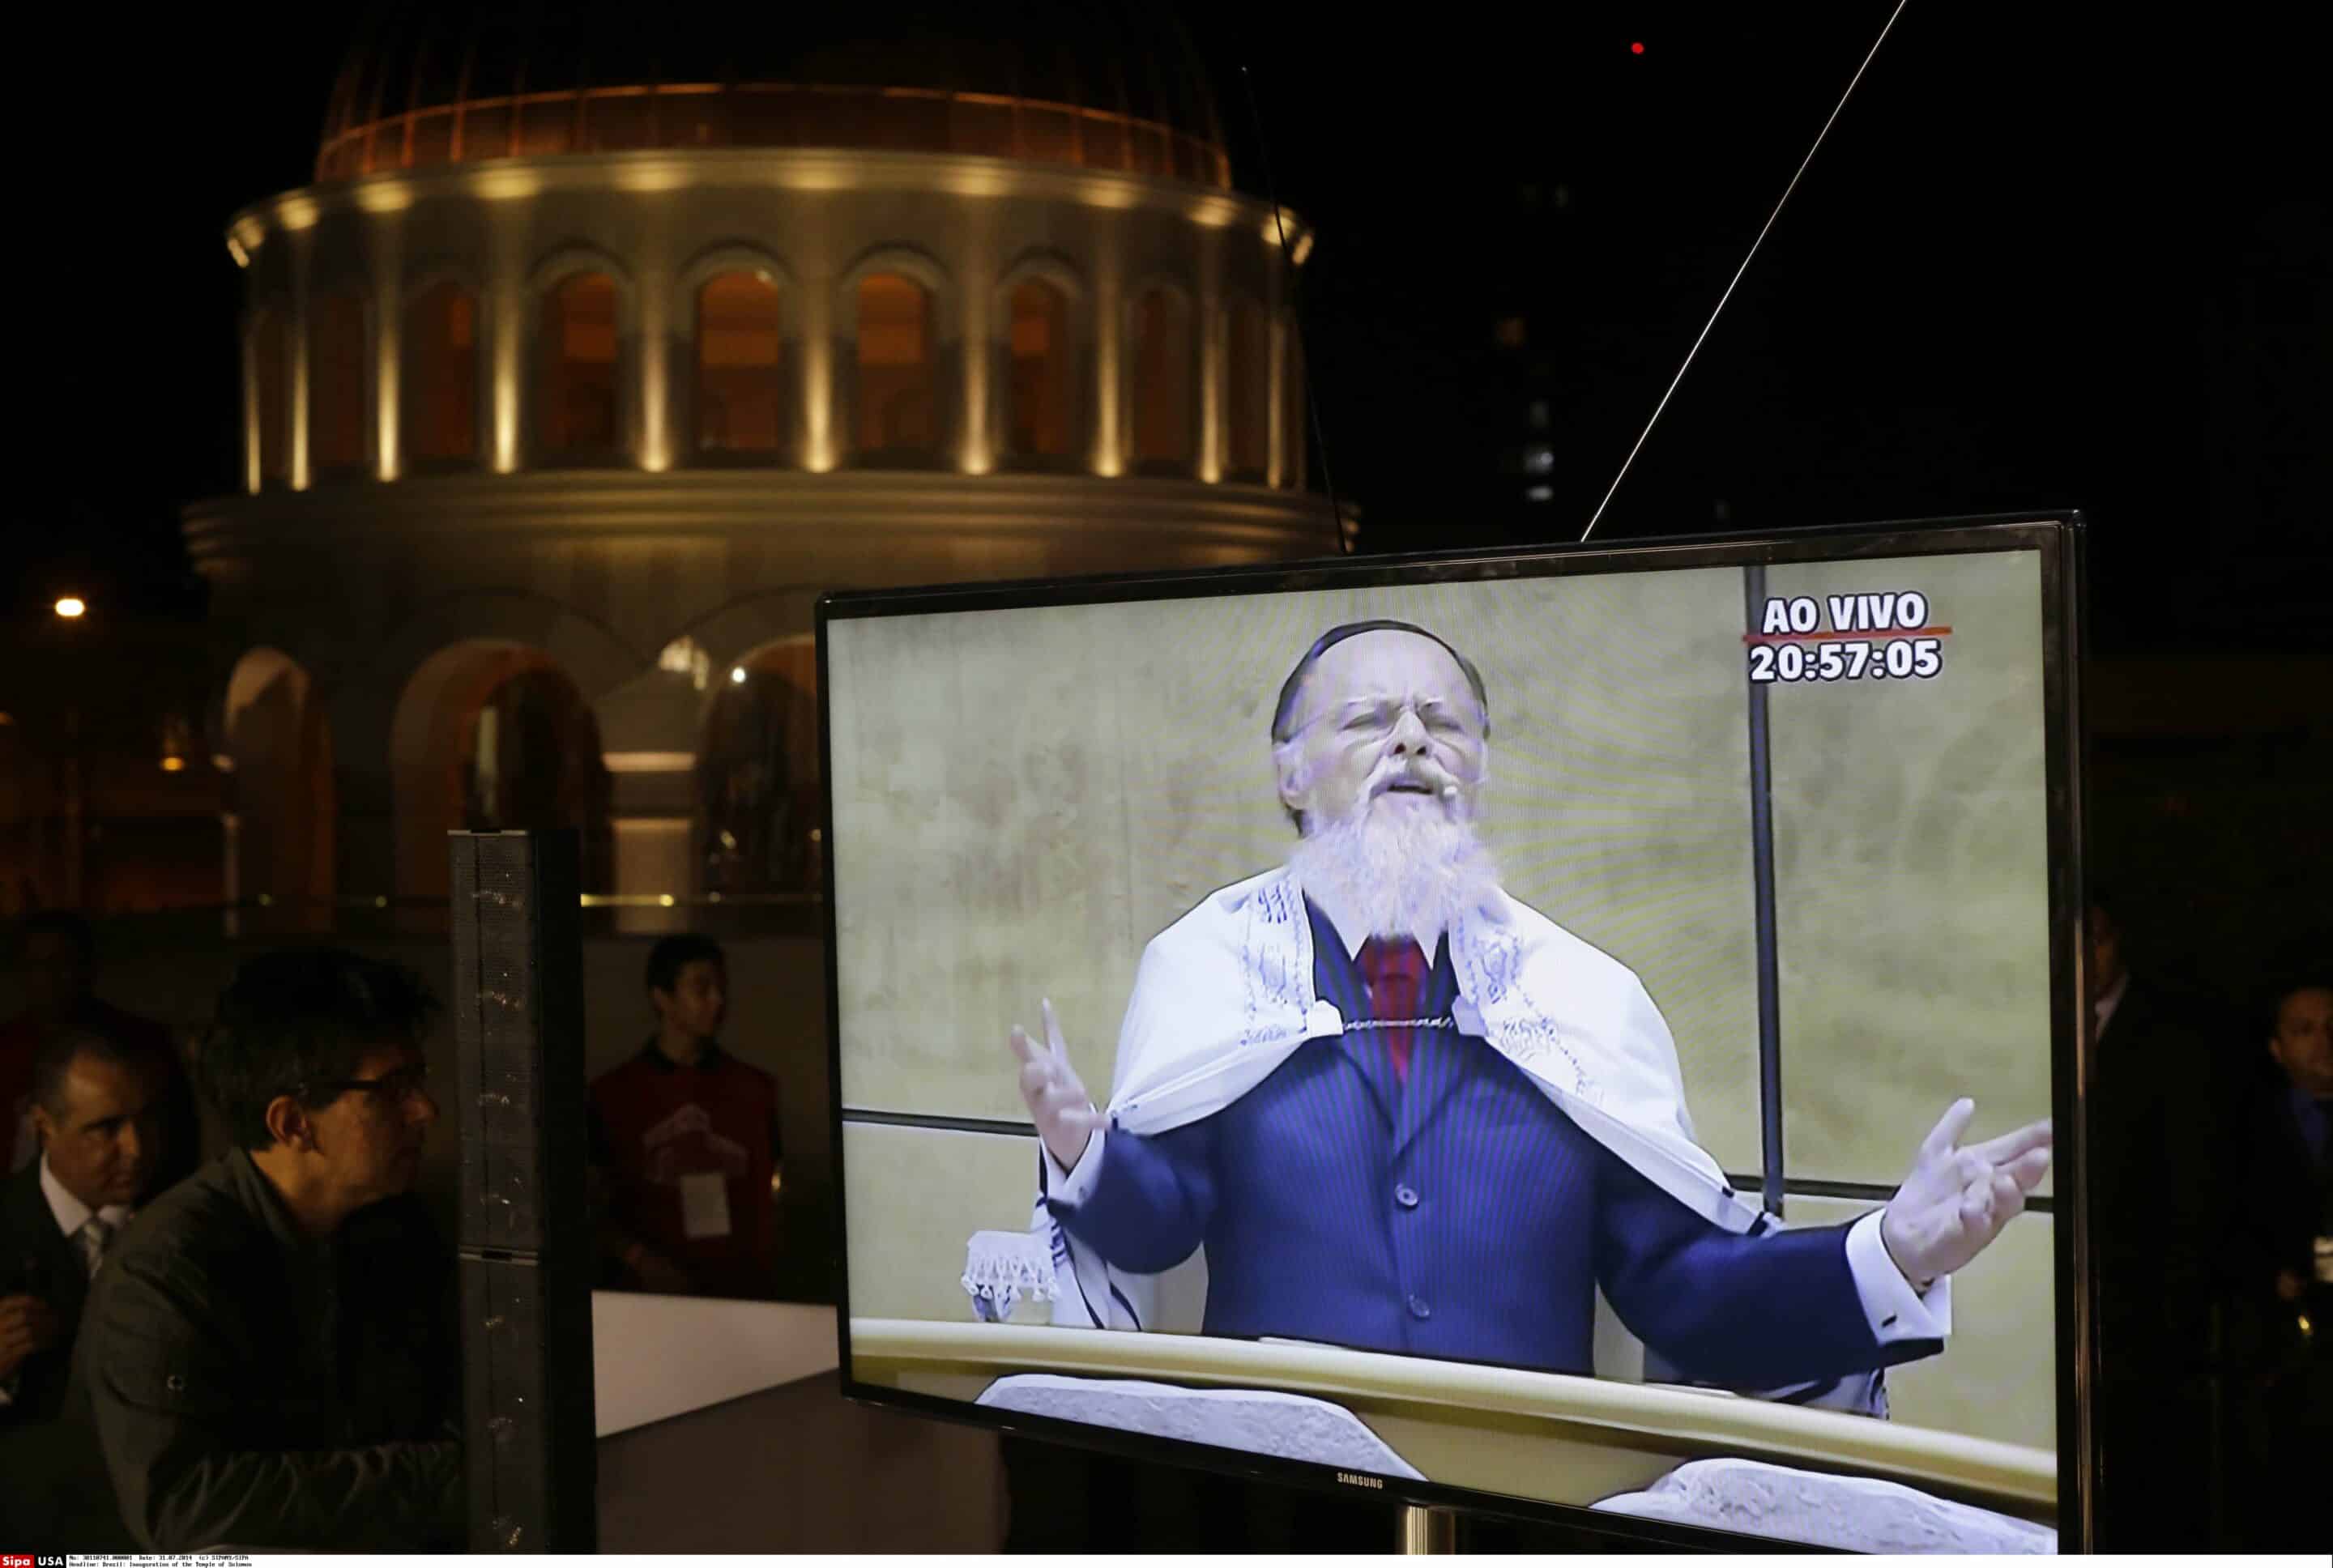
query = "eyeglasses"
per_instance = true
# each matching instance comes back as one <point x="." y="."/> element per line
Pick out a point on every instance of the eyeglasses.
<point x="1374" y="719"/>
<point x="389" y="1089"/>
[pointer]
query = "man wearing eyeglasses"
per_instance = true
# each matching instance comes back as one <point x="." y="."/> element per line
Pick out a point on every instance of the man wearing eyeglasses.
<point x="269" y="1358"/>
<point x="1405" y="1112"/>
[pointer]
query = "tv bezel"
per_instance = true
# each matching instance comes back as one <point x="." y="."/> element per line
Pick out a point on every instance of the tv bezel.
<point x="2055" y="534"/>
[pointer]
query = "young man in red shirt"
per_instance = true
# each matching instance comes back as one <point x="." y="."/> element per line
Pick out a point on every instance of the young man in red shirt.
<point x="685" y="1144"/>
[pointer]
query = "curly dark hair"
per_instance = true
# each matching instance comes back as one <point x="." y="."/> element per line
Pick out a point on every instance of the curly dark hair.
<point x="298" y="1017"/>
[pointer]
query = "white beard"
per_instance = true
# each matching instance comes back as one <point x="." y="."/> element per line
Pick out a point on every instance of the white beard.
<point x="1409" y="866"/>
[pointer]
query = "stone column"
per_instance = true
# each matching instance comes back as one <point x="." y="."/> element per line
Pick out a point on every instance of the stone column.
<point x="1108" y="459"/>
<point x="1209" y="330"/>
<point x="385" y="252"/>
<point x="295" y="389"/>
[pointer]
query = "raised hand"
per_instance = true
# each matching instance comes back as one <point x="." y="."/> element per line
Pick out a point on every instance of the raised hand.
<point x="28" y="1325"/>
<point x="1057" y="1099"/>
<point x="1957" y="1199"/>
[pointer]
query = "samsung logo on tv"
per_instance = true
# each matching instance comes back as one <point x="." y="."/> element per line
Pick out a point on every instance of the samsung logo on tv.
<point x="1350" y="1479"/>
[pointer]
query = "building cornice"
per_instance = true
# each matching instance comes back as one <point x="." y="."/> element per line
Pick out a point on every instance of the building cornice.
<point x="365" y="519"/>
<point x="803" y="171"/>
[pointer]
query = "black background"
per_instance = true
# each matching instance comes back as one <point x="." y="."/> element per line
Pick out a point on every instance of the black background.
<point x="2048" y="256"/>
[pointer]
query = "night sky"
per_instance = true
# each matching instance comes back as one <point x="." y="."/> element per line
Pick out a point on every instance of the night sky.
<point x="2032" y="266"/>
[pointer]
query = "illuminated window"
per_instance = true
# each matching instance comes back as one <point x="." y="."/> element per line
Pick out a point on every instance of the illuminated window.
<point x="1042" y="368"/>
<point x="737" y="348"/>
<point x="1162" y="379"/>
<point x="336" y="383"/>
<point x="268" y="379"/>
<point x="577" y="396"/>
<point x="895" y="365"/>
<point x="441" y="374"/>
<point x="1249" y="400"/>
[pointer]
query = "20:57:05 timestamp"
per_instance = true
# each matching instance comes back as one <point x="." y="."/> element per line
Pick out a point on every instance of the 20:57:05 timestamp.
<point x="1894" y="659"/>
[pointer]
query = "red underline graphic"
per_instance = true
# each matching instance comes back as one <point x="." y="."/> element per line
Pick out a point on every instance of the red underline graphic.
<point x="1886" y="636"/>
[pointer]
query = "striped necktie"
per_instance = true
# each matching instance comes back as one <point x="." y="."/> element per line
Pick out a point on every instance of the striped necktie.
<point x="1395" y="972"/>
<point x="93" y="1238"/>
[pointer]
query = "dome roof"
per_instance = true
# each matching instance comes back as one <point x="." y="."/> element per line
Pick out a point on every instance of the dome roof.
<point x="1083" y="82"/>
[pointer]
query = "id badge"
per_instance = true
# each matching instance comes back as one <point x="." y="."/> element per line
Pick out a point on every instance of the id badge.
<point x="704" y="1205"/>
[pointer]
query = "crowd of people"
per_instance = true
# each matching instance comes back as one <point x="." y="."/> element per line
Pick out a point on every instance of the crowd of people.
<point x="261" y="1349"/>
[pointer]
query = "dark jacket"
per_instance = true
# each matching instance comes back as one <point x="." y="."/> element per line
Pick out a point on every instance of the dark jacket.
<point x="2288" y="1192"/>
<point x="37" y="1260"/>
<point x="2159" y="1115"/>
<point x="250" y="1388"/>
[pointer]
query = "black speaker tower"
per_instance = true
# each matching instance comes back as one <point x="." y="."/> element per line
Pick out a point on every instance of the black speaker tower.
<point x="524" y="1229"/>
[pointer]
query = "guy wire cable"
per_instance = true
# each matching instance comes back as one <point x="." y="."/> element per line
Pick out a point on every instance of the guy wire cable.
<point x="1689" y="353"/>
<point x="1296" y="309"/>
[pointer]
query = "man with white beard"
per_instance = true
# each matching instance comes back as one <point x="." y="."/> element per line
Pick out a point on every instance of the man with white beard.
<point x="1404" y="1112"/>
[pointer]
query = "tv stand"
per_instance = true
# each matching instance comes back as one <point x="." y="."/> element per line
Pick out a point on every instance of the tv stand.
<point x="1429" y="1532"/>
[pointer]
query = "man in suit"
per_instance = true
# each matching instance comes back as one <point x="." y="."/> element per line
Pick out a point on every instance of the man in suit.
<point x="58" y="965"/>
<point x="2285" y="1410"/>
<point x="2161" y="1104"/>
<point x="96" y="1111"/>
<point x="1404" y="1112"/>
<point x="2289" y="1187"/>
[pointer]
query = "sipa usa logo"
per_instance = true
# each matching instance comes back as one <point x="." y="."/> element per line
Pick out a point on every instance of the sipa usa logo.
<point x="16" y="1559"/>
<point x="1371" y="1482"/>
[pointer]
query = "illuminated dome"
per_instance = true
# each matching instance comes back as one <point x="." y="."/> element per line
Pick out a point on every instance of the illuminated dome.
<point x="1080" y="82"/>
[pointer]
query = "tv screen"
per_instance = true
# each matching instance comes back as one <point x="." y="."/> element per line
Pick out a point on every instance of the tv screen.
<point x="1579" y="1029"/>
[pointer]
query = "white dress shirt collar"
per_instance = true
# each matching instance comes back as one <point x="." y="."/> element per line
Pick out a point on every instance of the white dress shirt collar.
<point x="2102" y="1011"/>
<point x="70" y="1211"/>
<point x="1355" y="932"/>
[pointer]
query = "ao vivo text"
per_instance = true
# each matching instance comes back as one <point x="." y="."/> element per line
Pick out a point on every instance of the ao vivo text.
<point x="1875" y="636"/>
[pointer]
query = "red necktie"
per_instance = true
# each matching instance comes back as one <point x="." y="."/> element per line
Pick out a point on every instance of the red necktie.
<point x="1395" y="972"/>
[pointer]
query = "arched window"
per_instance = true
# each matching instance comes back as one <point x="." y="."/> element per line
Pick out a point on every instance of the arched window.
<point x="577" y="393"/>
<point x="758" y="771"/>
<point x="738" y="335"/>
<point x="1249" y="405"/>
<point x="336" y="383"/>
<point x="531" y="756"/>
<point x="441" y="374"/>
<point x="1042" y="389"/>
<point x="895" y="372"/>
<point x="1162" y="380"/>
<point x="268" y="375"/>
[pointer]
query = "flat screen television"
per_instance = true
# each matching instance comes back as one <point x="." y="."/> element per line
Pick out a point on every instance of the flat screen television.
<point x="1570" y="1032"/>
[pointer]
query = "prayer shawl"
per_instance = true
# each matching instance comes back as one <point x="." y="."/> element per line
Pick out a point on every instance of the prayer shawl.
<point x="1225" y="994"/>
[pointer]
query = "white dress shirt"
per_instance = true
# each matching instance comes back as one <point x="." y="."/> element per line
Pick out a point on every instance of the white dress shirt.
<point x="1892" y="1308"/>
<point x="71" y="1214"/>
